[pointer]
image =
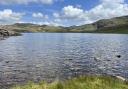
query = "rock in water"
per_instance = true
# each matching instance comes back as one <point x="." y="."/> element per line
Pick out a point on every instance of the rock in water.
<point x="121" y="78"/>
<point x="96" y="59"/>
<point x="119" y="56"/>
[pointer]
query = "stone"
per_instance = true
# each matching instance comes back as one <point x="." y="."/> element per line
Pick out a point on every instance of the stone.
<point x="121" y="78"/>
<point x="118" y="56"/>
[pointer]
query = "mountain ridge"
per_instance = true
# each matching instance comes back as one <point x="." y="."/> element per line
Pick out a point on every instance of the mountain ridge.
<point x="113" y="25"/>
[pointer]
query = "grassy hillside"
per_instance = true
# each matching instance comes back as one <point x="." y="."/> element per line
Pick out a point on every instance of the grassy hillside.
<point x="27" y="27"/>
<point x="114" y="25"/>
<point x="116" y="29"/>
<point x="90" y="82"/>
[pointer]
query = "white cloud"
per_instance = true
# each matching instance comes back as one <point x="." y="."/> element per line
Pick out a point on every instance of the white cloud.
<point x="50" y="23"/>
<point x="56" y="15"/>
<point x="109" y="9"/>
<point x="105" y="10"/>
<point x="112" y="1"/>
<point x="40" y="15"/>
<point x="69" y="15"/>
<point x="26" y="1"/>
<point x="47" y="1"/>
<point x="57" y="20"/>
<point x="72" y="12"/>
<point x="7" y="16"/>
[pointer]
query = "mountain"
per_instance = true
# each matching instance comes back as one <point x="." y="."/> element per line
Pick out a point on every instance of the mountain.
<point x="113" y="25"/>
<point x="28" y="27"/>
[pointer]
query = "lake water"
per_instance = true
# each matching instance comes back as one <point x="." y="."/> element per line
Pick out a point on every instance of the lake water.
<point x="53" y="56"/>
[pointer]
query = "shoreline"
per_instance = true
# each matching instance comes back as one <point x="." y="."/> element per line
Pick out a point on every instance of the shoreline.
<point x="82" y="82"/>
<point x="112" y="76"/>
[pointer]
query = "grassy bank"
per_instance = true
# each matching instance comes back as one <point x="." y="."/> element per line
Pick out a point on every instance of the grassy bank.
<point x="90" y="82"/>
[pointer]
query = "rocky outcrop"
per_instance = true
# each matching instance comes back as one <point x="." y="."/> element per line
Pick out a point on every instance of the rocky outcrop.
<point x="13" y="33"/>
<point x="4" y="32"/>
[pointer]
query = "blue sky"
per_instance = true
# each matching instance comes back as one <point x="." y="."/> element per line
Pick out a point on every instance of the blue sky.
<point x="60" y="12"/>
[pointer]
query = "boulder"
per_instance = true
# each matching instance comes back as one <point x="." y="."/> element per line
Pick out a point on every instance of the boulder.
<point x="4" y="32"/>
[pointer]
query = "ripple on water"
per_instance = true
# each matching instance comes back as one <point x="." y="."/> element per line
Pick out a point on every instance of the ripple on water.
<point x="46" y="56"/>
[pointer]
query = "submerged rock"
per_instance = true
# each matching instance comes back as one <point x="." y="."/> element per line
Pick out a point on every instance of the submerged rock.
<point x="7" y="61"/>
<point x="70" y="59"/>
<point x="96" y="59"/>
<point x="121" y="78"/>
<point x="118" y="56"/>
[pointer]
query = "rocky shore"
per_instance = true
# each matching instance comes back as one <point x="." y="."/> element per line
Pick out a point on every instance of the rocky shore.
<point x="6" y="33"/>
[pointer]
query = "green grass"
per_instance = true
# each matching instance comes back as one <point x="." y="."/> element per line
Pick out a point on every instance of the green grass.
<point x="88" y="82"/>
<point x="118" y="29"/>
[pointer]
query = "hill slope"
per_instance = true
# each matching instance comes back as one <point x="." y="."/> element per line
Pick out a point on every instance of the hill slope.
<point x="114" y="25"/>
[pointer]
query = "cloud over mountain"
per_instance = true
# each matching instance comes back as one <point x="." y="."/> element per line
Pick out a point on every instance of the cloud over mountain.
<point x="106" y="9"/>
<point x="66" y="13"/>
<point x="8" y="16"/>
